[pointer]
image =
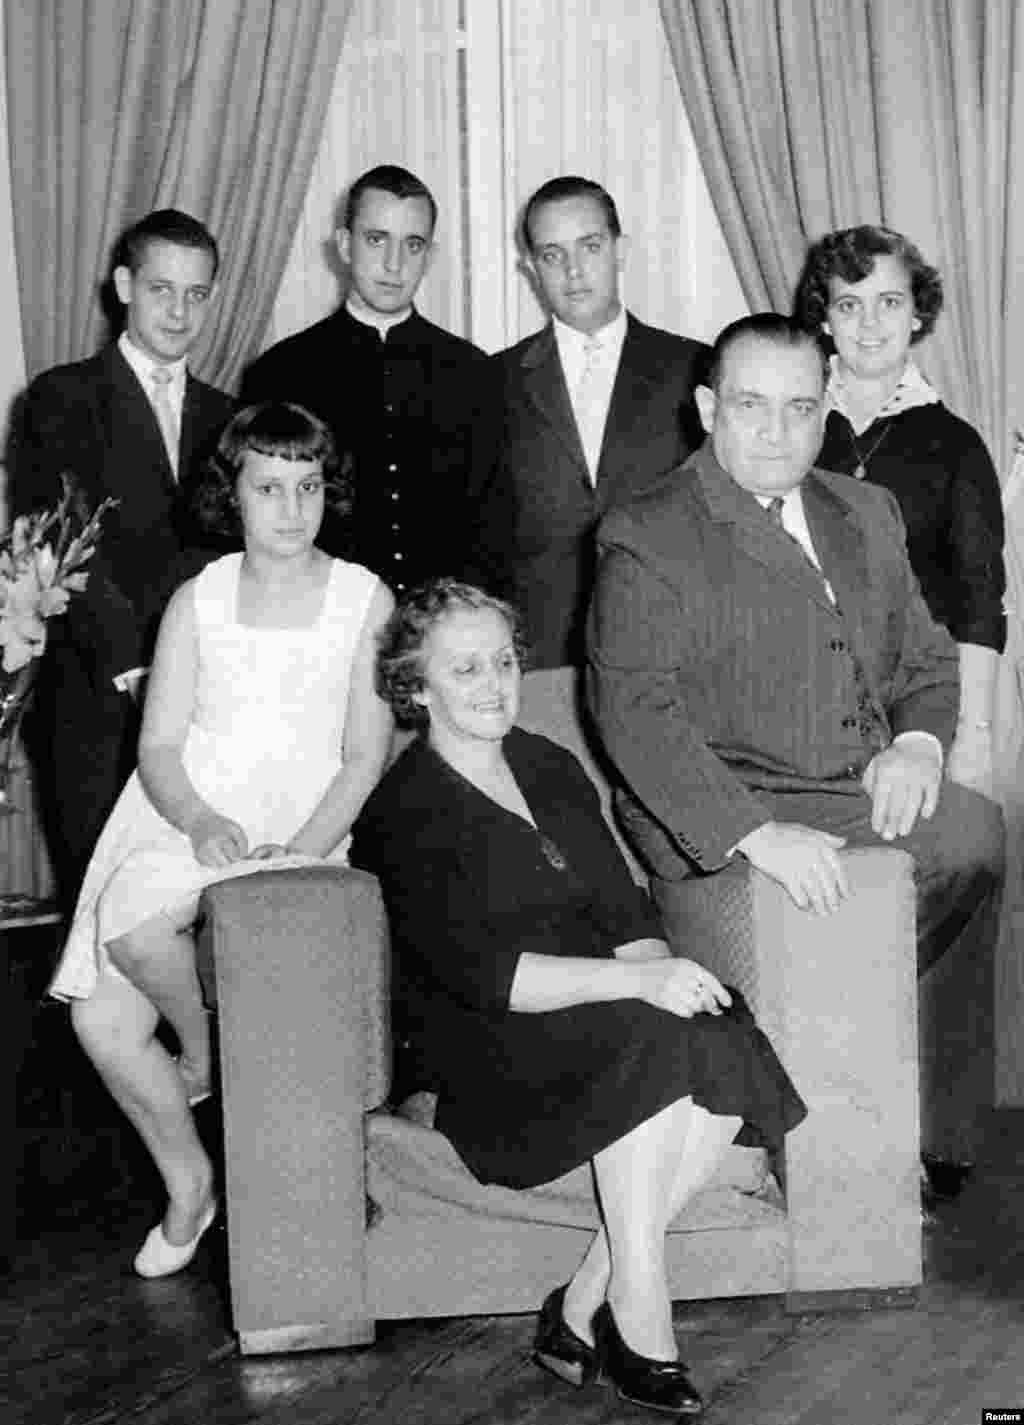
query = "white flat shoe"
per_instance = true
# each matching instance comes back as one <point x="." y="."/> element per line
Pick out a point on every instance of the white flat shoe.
<point x="159" y="1258"/>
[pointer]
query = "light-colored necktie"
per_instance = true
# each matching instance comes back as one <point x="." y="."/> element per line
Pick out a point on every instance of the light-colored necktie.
<point x="161" y="379"/>
<point x="589" y="407"/>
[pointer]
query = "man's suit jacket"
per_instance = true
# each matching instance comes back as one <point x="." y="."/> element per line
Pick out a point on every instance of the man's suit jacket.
<point x="93" y="420"/>
<point x="538" y="511"/>
<point x="409" y="415"/>
<point x="724" y="680"/>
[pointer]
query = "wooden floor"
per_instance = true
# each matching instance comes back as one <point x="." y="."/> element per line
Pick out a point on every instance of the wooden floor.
<point x="86" y="1341"/>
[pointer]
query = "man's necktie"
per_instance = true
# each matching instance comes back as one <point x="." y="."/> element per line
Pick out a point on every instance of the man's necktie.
<point x="161" y="379"/>
<point x="588" y="406"/>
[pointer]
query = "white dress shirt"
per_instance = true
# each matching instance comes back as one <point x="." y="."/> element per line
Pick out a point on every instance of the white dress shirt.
<point x="594" y="356"/>
<point x="143" y="366"/>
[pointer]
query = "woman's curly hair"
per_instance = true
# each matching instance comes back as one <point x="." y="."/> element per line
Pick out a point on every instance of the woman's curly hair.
<point x="850" y="255"/>
<point x="276" y="428"/>
<point x="400" y="645"/>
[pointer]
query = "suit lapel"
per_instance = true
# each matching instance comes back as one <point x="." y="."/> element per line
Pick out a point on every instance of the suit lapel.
<point x="839" y="541"/>
<point x="631" y="395"/>
<point x="544" y="384"/>
<point x="755" y="534"/>
<point x="190" y="417"/>
<point x="130" y="425"/>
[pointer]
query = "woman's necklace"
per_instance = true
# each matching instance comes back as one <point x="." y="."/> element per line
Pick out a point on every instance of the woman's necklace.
<point x="861" y="468"/>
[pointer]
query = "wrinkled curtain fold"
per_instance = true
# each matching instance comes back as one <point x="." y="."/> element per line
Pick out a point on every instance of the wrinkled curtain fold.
<point x="117" y="107"/>
<point x="811" y="115"/>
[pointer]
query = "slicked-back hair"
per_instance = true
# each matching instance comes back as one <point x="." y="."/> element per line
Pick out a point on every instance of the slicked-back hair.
<point x="387" y="178"/>
<point x="850" y="254"/>
<point x="275" y="428"/>
<point x="165" y="225"/>
<point x="401" y="642"/>
<point x="769" y="327"/>
<point x="557" y="190"/>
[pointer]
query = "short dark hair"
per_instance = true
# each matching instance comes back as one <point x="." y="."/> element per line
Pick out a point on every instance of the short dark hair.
<point x="400" y="647"/>
<point x="387" y="178"/>
<point x="271" y="428"/>
<point x="765" y="326"/>
<point x="850" y="255"/>
<point x="556" y="190"/>
<point x="165" y="225"/>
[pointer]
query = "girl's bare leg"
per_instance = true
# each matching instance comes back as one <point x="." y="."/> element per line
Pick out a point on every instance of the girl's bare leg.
<point x="116" y="1027"/>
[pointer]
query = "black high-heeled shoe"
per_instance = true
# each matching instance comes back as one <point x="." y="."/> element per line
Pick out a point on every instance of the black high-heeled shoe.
<point x="558" y="1349"/>
<point x="660" y="1385"/>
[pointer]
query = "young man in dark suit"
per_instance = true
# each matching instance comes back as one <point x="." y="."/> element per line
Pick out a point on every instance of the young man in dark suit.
<point x="596" y="407"/>
<point x="130" y="422"/>
<point x="766" y="675"/>
<point x="405" y="400"/>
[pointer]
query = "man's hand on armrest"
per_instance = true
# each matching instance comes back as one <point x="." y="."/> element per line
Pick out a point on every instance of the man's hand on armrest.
<point x="903" y="783"/>
<point x="802" y="860"/>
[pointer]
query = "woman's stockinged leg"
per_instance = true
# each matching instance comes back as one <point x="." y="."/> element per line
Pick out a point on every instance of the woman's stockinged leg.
<point x="707" y="1137"/>
<point x="588" y="1287"/>
<point x="116" y="1029"/>
<point x="159" y="957"/>
<point x="644" y="1180"/>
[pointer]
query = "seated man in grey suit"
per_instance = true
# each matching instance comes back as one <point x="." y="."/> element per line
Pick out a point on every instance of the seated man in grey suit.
<point x="595" y="407"/>
<point x="765" y="673"/>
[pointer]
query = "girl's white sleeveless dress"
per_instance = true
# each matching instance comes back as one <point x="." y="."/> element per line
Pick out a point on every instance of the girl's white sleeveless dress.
<point x="264" y="743"/>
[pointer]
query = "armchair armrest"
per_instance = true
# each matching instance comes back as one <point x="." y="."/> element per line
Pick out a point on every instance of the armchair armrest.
<point x="298" y="960"/>
<point x="837" y="995"/>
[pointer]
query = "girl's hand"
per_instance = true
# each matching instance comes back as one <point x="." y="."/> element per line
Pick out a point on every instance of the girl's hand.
<point x="218" y="841"/>
<point x="685" y="988"/>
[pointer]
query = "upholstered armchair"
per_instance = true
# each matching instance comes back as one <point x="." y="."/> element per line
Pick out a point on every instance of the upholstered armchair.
<point x="344" y="1209"/>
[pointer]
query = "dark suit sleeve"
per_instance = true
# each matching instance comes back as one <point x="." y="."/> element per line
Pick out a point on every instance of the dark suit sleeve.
<point x="977" y="533"/>
<point x="54" y="433"/>
<point x="618" y="906"/>
<point x="641" y="645"/>
<point x="924" y="693"/>
<point x="490" y="503"/>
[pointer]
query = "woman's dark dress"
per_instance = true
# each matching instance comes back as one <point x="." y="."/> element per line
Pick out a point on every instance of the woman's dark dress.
<point x="469" y="887"/>
<point x="943" y="478"/>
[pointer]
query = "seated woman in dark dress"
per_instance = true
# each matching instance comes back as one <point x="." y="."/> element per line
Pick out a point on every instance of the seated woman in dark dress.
<point x="870" y="296"/>
<point x="532" y="974"/>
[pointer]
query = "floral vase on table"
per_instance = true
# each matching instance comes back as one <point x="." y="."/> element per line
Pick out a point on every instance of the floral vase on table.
<point x="43" y="560"/>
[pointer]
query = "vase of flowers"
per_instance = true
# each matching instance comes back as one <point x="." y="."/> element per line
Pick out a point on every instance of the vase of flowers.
<point x="43" y="560"/>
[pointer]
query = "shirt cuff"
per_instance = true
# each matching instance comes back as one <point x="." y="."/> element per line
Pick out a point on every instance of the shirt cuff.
<point x="129" y="680"/>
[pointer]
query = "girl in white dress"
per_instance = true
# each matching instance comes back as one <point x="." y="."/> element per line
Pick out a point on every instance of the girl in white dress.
<point x="261" y="738"/>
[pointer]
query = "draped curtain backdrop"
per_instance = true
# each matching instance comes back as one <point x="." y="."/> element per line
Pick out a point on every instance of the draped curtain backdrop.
<point x="118" y="107"/>
<point x="811" y="115"/>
